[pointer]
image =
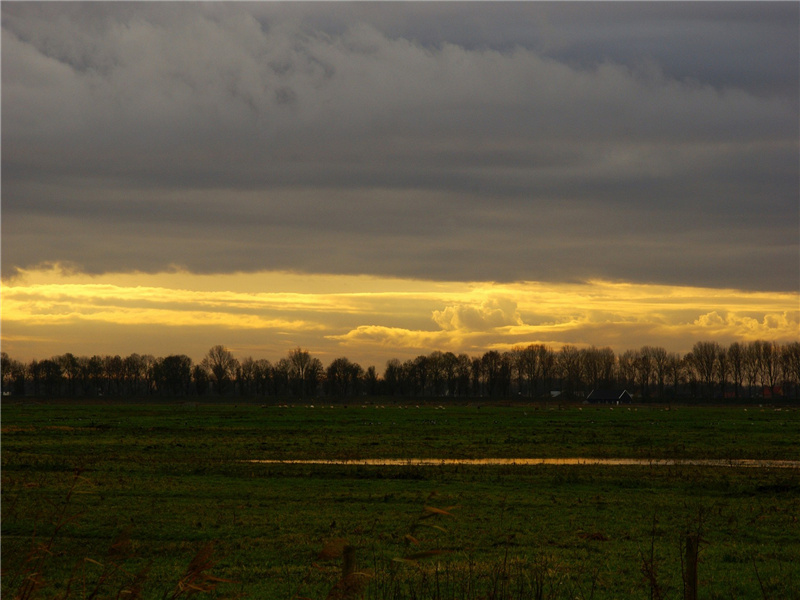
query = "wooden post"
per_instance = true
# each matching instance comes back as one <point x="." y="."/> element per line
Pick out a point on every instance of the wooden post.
<point x="349" y="586"/>
<point x="348" y="561"/>
<point x="690" y="577"/>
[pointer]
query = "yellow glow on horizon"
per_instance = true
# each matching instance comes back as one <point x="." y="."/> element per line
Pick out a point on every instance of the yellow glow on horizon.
<point x="367" y="315"/>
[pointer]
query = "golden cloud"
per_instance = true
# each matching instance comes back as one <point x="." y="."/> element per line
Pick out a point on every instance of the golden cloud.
<point x="490" y="314"/>
<point x="382" y="317"/>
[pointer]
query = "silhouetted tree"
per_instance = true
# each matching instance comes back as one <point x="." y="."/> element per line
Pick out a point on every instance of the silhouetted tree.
<point x="643" y="366"/>
<point x="435" y="373"/>
<point x="770" y="364"/>
<point x="173" y="374"/>
<point x="263" y="377"/>
<point x="675" y="372"/>
<point x="246" y="374"/>
<point x="392" y="375"/>
<point x="342" y="377"/>
<point x="704" y="358"/>
<point x="722" y="369"/>
<point x="569" y="366"/>
<point x="371" y="381"/>
<point x="280" y="376"/>
<point x="35" y="375"/>
<point x="660" y="360"/>
<point x="134" y="367"/>
<point x="626" y="370"/>
<point x="491" y="369"/>
<point x="736" y="366"/>
<point x="449" y="363"/>
<point x="418" y="374"/>
<point x="13" y="375"/>
<point x="52" y="376"/>
<point x="148" y="363"/>
<point x="304" y="372"/>
<point x="791" y="366"/>
<point x="463" y="368"/>
<point x="70" y="369"/>
<point x="113" y="374"/>
<point x="221" y="365"/>
<point x="476" y="376"/>
<point x="200" y="380"/>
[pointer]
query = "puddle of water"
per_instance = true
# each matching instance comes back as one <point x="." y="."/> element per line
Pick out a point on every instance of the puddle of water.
<point x="637" y="462"/>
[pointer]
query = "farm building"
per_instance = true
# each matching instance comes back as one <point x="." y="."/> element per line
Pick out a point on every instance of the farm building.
<point x="609" y="397"/>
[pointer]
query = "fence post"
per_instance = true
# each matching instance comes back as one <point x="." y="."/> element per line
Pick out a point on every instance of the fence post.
<point x="690" y="577"/>
<point x="348" y="561"/>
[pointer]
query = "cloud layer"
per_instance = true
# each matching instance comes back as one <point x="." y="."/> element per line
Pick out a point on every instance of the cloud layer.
<point x="369" y="320"/>
<point x="475" y="142"/>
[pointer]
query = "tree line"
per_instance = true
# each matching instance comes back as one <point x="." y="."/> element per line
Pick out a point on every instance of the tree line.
<point x="751" y="370"/>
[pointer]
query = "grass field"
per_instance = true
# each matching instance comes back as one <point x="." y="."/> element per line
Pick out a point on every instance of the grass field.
<point x="98" y="498"/>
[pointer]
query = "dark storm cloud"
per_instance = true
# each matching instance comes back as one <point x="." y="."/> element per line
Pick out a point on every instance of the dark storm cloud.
<point x="650" y="142"/>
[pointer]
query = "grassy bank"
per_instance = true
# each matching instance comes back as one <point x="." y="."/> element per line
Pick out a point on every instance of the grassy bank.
<point x="168" y="479"/>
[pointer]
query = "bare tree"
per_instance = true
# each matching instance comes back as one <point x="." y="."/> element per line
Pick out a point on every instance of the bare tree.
<point x="148" y="364"/>
<point x="199" y="380"/>
<point x="770" y="364"/>
<point x="52" y="376"/>
<point x="435" y="373"/>
<point x="173" y="374"/>
<point x="569" y="366"/>
<point x="281" y="376"/>
<point x="643" y="365"/>
<point x="70" y="368"/>
<point x="476" y="375"/>
<point x="114" y="373"/>
<point x="392" y="375"/>
<point x="736" y="366"/>
<point x="626" y="369"/>
<point x="263" y="377"/>
<point x="660" y="359"/>
<point x="492" y="369"/>
<point x="304" y="372"/>
<point x="463" y="369"/>
<point x="723" y="369"/>
<point x="342" y="377"/>
<point x="790" y="357"/>
<point x="371" y="381"/>
<point x="221" y="365"/>
<point x="449" y="365"/>
<point x="591" y="367"/>
<point x="528" y="369"/>
<point x="245" y="376"/>
<point x="751" y="366"/>
<point x="421" y="374"/>
<point x="675" y="370"/>
<point x="35" y="368"/>
<point x="134" y="373"/>
<point x="13" y="375"/>
<point x="704" y="355"/>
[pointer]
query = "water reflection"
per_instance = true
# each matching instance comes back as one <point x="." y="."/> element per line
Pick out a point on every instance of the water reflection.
<point x="637" y="462"/>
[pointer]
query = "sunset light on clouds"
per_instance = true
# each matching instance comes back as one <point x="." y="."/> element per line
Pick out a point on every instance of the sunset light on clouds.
<point x="381" y="180"/>
<point x="371" y="319"/>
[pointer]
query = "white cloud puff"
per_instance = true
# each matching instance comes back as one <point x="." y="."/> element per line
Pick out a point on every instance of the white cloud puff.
<point x="490" y="314"/>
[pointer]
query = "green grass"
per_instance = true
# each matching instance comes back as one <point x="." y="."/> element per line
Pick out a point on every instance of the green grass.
<point x="172" y="477"/>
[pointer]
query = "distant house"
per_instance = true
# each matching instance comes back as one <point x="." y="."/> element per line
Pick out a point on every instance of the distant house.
<point x="609" y="397"/>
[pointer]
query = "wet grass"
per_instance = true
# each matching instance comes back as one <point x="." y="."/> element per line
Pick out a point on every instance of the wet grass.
<point x="170" y="478"/>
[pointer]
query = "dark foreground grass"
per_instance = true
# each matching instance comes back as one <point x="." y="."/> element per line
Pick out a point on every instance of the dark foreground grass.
<point x="131" y="494"/>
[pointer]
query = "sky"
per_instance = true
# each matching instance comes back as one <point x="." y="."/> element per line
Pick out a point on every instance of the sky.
<point x="383" y="179"/>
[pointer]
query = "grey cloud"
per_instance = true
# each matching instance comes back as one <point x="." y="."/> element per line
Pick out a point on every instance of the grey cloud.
<point x="405" y="139"/>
